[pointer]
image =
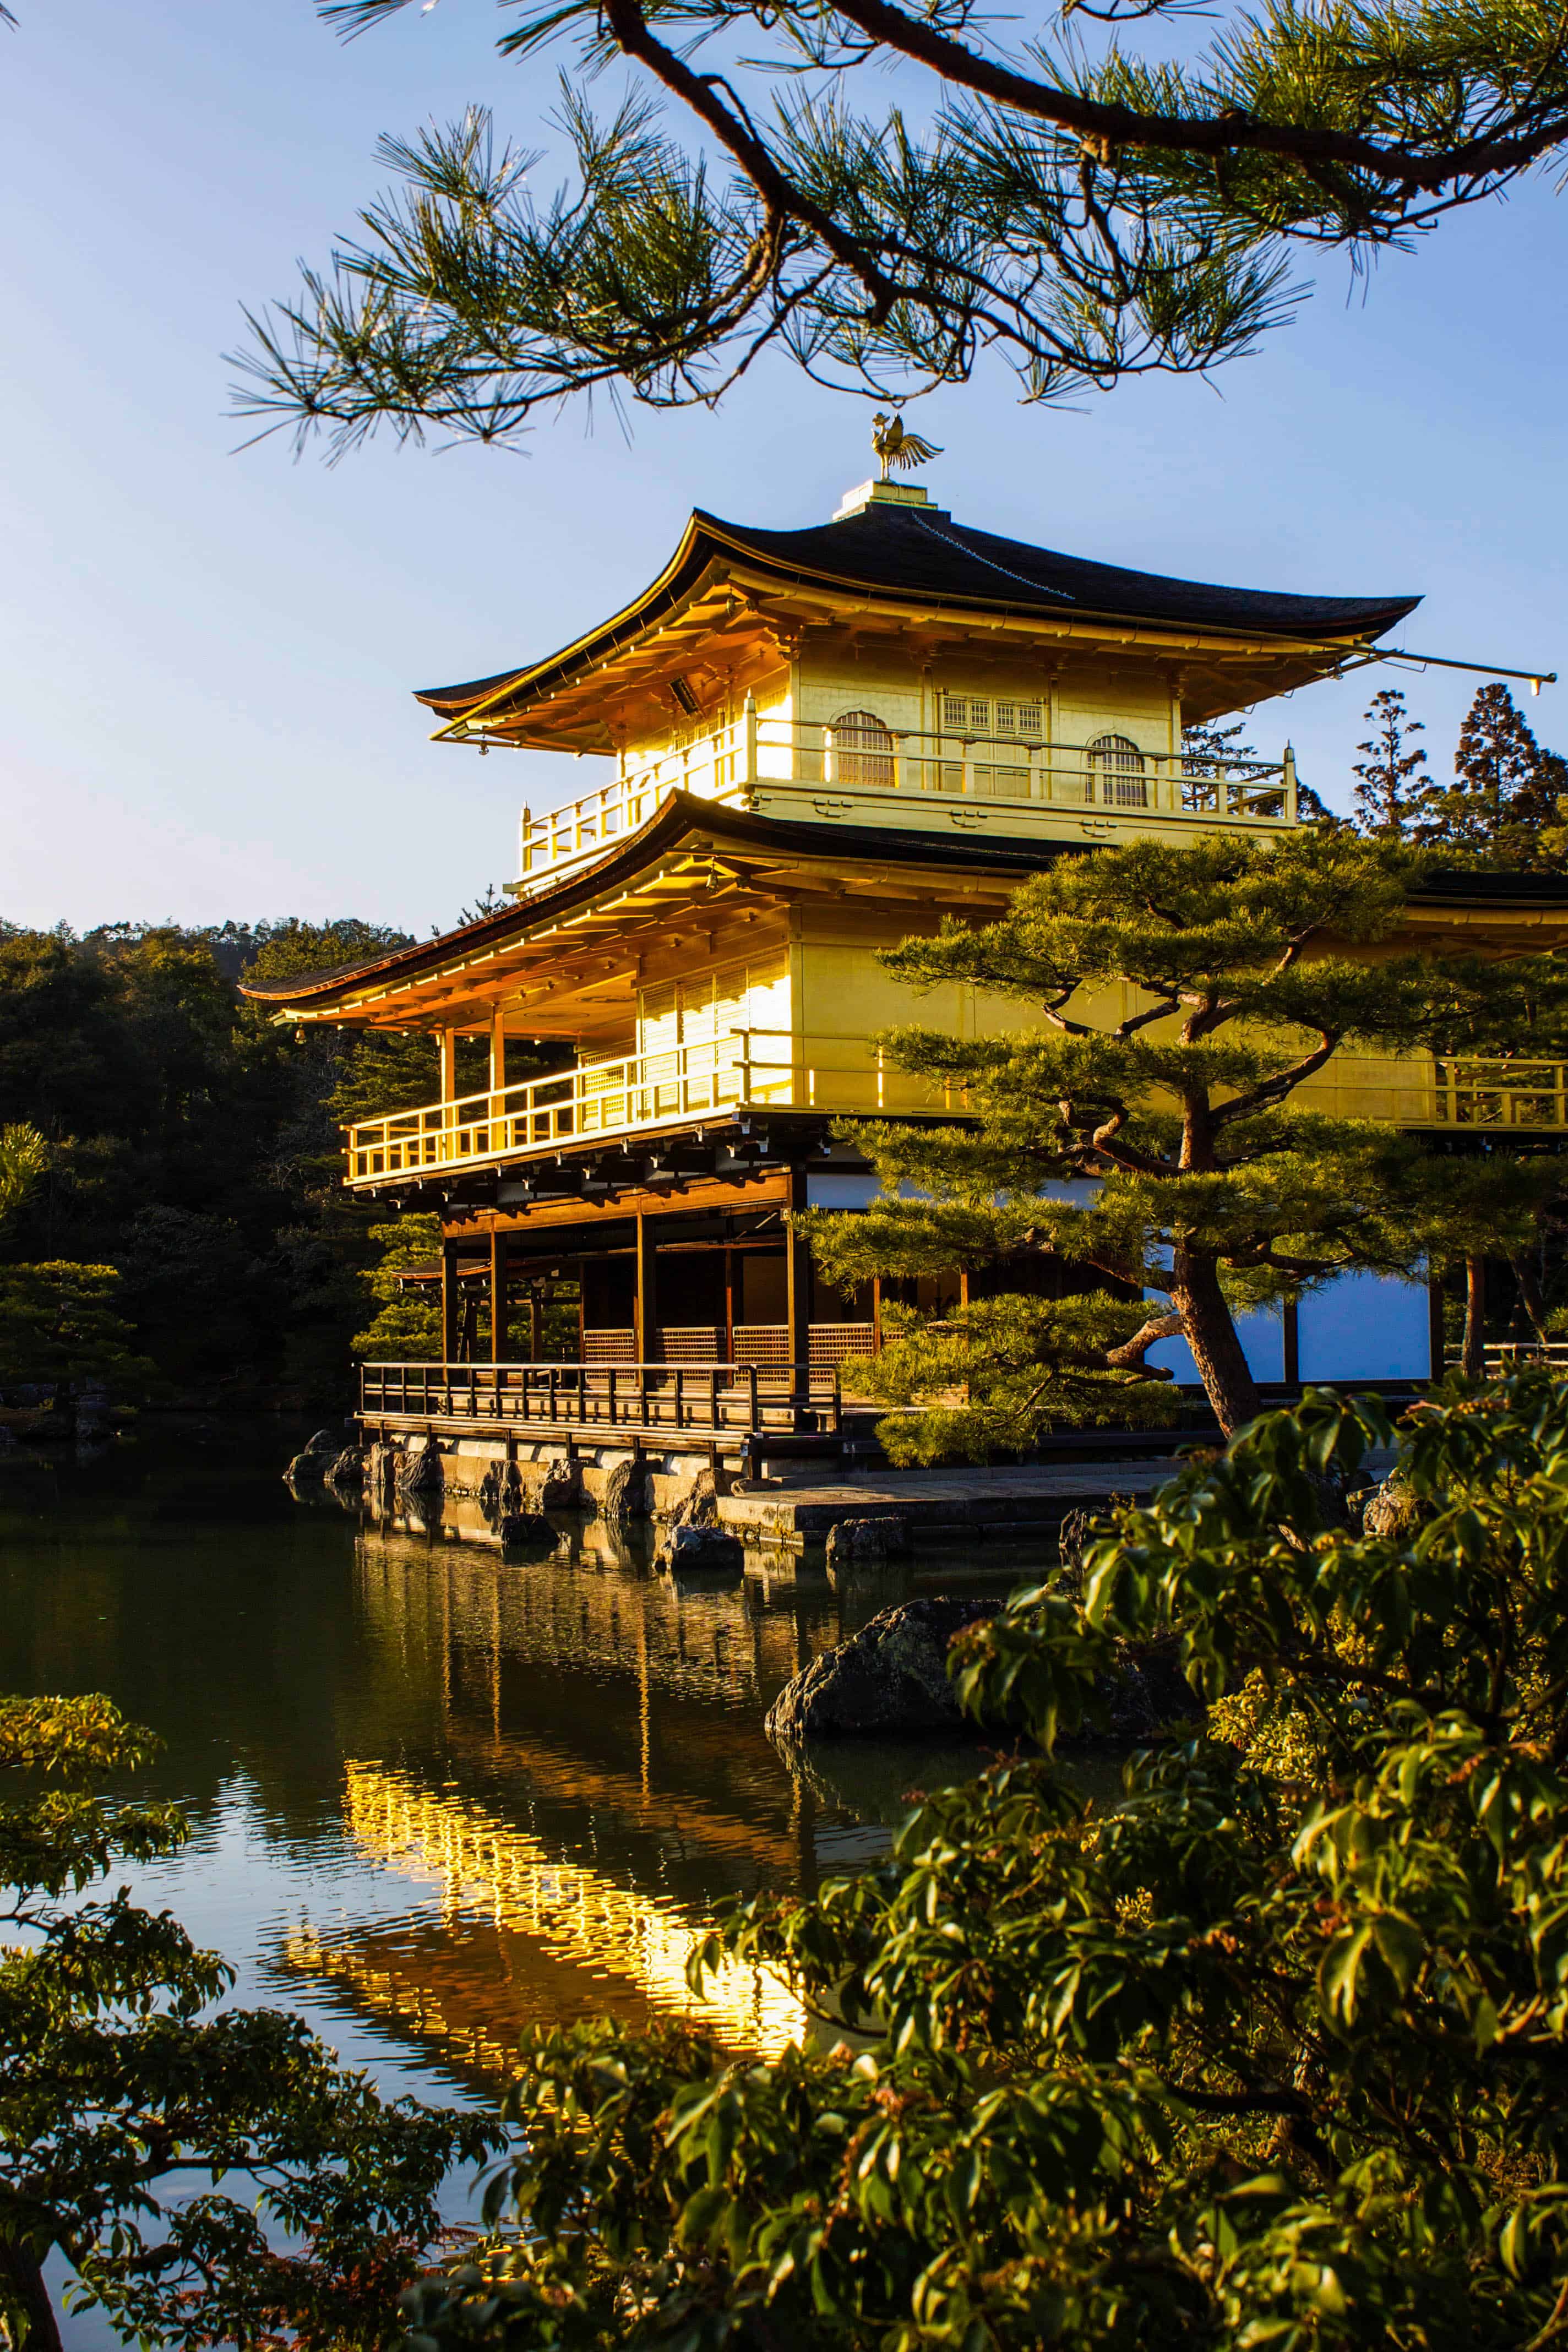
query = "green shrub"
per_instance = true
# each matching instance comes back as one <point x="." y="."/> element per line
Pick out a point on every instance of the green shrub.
<point x="1271" y="2052"/>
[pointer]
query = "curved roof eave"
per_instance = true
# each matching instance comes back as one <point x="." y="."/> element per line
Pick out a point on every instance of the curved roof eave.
<point x="882" y="553"/>
<point x="681" y="814"/>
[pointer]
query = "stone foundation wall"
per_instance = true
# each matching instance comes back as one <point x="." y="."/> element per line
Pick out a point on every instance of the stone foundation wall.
<point x="599" y="1471"/>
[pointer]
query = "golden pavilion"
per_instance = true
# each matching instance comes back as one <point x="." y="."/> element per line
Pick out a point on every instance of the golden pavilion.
<point x="811" y="744"/>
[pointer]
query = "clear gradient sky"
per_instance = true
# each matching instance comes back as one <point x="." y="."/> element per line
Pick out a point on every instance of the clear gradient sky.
<point x="208" y="655"/>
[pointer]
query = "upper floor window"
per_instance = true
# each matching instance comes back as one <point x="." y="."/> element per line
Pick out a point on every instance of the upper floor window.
<point x="1006" y="715"/>
<point x="1116" y="772"/>
<point x="862" y="749"/>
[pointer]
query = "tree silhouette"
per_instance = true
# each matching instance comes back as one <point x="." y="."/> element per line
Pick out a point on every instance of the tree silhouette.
<point x="1505" y="790"/>
<point x="1389" y="794"/>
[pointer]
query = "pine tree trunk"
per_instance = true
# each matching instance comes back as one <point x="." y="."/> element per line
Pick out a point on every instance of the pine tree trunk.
<point x="1209" y="1330"/>
<point x="1473" y="1356"/>
<point x="1529" y="1283"/>
<point x="22" y="2286"/>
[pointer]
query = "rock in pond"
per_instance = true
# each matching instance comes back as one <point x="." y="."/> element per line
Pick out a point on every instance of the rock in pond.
<point x="865" y="1542"/>
<point x="315" y="1458"/>
<point x="697" y="1505"/>
<point x="348" y="1470"/>
<point x="889" y="1677"/>
<point x="527" y="1531"/>
<point x="695" y="1549"/>
<point x="625" y="1496"/>
<point x="421" y="1473"/>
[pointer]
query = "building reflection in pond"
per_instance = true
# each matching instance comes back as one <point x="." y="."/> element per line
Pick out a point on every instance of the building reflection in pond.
<point x="583" y="1922"/>
<point x="600" y="1779"/>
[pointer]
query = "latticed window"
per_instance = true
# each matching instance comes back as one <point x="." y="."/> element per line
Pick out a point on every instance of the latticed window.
<point x="1117" y="779"/>
<point x="976" y="714"/>
<point x="862" y="749"/>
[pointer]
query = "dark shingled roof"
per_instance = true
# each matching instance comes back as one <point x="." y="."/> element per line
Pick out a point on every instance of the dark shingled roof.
<point x="919" y="554"/>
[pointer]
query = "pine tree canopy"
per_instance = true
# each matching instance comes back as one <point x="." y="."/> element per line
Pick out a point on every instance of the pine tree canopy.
<point x="1503" y="802"/>
<point x="1140" y="1137"/>
<point x="1089" y="213"/>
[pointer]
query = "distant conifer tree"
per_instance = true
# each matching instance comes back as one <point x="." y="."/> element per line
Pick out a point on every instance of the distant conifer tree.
<point x="1503" y="800"/>
<point x="1389" y="795"/>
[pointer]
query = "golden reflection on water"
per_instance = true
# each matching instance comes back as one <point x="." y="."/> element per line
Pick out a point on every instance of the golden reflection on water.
<point x="481" y="1867"/>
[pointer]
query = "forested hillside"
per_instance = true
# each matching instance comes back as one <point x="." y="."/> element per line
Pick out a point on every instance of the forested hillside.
<point x="192" y="1145"/>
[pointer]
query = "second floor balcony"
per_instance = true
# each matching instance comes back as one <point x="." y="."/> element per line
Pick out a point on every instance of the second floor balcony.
<point x="762" y="1070"/>
<point x="855" y="769"/>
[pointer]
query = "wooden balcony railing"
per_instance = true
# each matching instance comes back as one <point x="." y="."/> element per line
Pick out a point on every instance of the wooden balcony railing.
<point x="927" y="770"/>
<point x="1476" y="1094"/>
<point x="769" y="1068"/>
<point x="759" y="1068"/>
<point x="737" y="1400"/>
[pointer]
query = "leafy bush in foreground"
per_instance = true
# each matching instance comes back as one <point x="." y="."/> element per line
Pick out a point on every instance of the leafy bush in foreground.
<point x="1272" y="2052"/>
<point x="214" y="2177"/>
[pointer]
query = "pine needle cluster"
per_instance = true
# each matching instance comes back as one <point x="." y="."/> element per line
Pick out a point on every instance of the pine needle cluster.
<point x="1088" y="215"/>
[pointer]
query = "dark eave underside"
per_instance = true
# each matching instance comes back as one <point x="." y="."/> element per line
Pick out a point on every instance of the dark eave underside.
<point x="906" y="555"/>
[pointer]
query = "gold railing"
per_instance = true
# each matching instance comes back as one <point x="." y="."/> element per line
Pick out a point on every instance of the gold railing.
<point x="732" y="763"/>
<point x="1475" y="1093"/>
<point x="768" y="1068"/>
<point x="743" y="1068"/>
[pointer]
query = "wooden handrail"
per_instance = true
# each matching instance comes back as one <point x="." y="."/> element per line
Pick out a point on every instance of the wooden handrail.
<point x="751" y="1068"/>
<point x="724" y="1399"/>
<point x="732" y="760"/>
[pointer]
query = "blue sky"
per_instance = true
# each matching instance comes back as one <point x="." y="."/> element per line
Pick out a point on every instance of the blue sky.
<point x="209" y="655"/>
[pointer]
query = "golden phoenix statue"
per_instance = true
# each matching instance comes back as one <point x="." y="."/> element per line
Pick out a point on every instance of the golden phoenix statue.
<point x="897" y="449"/>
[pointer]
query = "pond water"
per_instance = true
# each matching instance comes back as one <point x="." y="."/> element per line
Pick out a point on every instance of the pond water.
<point x="435" y="1797"/>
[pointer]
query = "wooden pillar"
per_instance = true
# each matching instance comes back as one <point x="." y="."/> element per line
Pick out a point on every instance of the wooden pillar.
<point x="448" y="1041"/>
<point x="497" y="1052"/>
<point x="450" y="1304"/>
<point x="499" y="1336"/>
<point x="797" y="1282"/>
<point x="963" y="1290"/>
<point x="645" y="1310"/>
<point x="876" y="1314"/>
<point x="535" y="1323"/>
<point x="729" y="1305"/>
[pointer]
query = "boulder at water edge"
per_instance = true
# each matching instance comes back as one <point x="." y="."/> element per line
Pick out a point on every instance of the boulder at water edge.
<point x="315" y="1458"/>
<point x="696" y="1550"/>
<point x="889" y="1678"/>
<point x="854" y="1543"/>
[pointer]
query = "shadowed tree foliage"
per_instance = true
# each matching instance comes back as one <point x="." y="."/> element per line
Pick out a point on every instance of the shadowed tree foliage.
<point x="188" y="1146"/>
<point x="1270" y="2050"/>
<point x="1050" y="195"/>
<point x="1142" y="1136"/>
<point x="212" y="2174"/>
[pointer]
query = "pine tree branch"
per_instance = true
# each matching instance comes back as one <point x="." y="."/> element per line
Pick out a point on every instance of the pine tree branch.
<point x="1271" y="1092"/>
<point x="1105" y="127"/>
<point x="780" y="198"/>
